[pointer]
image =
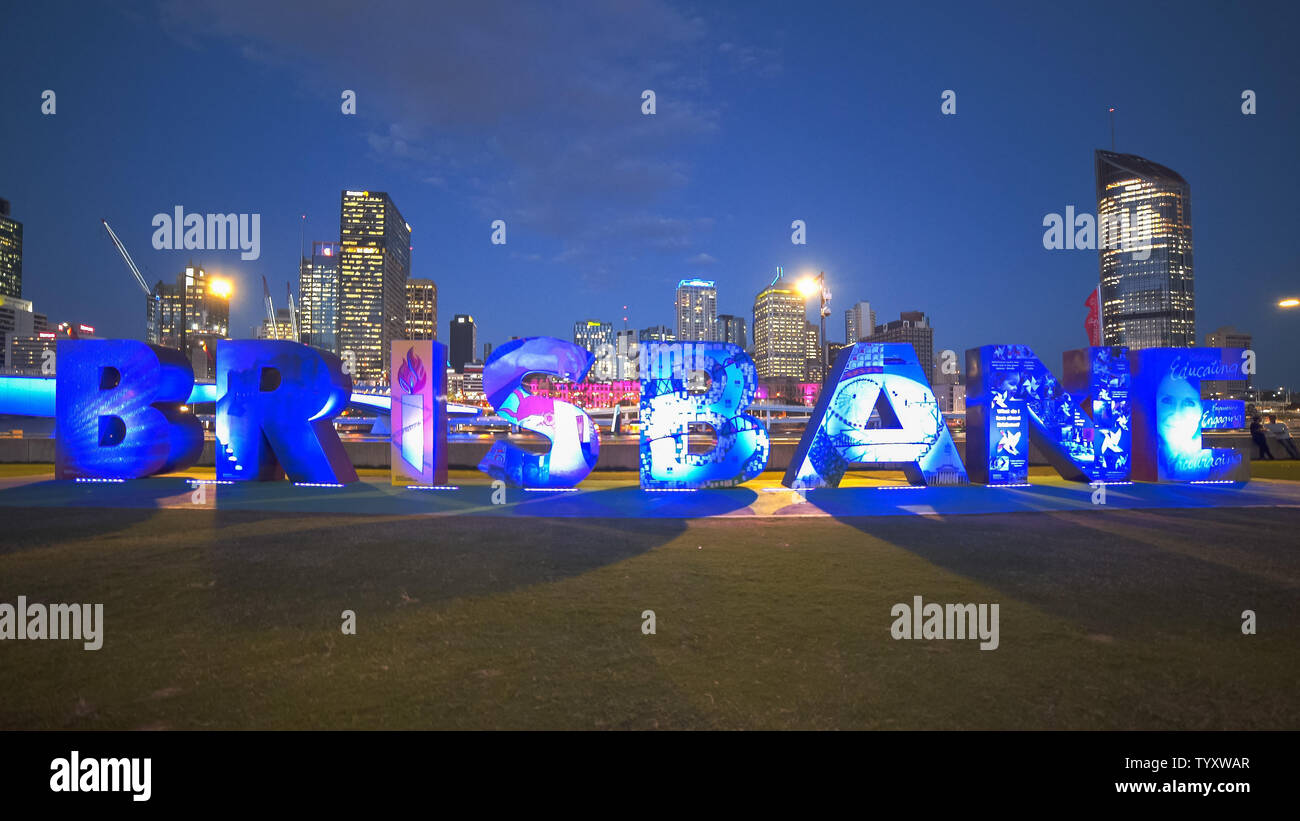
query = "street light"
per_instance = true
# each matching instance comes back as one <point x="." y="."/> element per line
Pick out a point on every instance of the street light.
<point x="812" y="285"/>
<point x="1290" y="302"/>
<point x="221" y="288"/>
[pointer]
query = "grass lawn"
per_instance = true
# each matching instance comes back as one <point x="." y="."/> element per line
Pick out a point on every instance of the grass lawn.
<point x="1276" y="469"/>
<point x="223" y="619"/>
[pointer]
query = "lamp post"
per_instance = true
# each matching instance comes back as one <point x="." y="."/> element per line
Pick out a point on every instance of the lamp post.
<point x="213" y="287"/>
<point x="808" y="287"/>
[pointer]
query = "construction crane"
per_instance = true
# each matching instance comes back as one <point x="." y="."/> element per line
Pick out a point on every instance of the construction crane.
<point x="270" y="309"/>
<point x="295" y="335"/>
<point x="153" y="308"/>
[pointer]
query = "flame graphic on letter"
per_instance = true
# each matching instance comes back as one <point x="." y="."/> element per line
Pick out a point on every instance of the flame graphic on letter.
<point x="411" y="374"/>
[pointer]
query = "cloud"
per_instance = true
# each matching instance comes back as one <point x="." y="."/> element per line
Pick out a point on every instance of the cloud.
<point x="702" y="259"/>
<point x="530" y="111"/>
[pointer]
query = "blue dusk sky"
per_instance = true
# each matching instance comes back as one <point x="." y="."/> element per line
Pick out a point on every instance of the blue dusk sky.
<point x="766" y="113"/>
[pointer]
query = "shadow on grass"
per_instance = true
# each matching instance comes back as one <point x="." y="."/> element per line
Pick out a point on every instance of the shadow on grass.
<point x="1121" y="571"/>
<point x="221" y="569"/>
<point x="37" y="513"/>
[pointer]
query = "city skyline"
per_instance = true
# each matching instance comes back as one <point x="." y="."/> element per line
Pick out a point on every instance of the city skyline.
<point x="692" y="207"/>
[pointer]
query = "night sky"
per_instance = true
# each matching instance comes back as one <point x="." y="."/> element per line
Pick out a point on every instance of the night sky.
<point x="767" y="113"/>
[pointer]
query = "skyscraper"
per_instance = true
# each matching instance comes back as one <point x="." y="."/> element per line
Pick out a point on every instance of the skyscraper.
<point x="592" y="333"/>
<point x="1144" y="233"/>
<point x="318" y="288"/>
<point x="814" y="368"/>
<point x="421" y="309"/>
<point x="859" y="322"/>
<point x="11" y="254"/>
<point x="627" y="359"/>
<point x="192" y="315"/>
<point x="597" y="337"/>
<point x="464" y="341"/>
<point x="374" y="264"/>
<point x="697" y="310"/>
<point x="780" y="318"/>
<point x="912" y="327"/>
<point x="732" y="329"/>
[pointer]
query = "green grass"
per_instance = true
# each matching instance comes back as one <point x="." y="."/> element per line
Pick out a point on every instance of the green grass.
<point x="1288" y="469"/>
<point x="219" y="619"/>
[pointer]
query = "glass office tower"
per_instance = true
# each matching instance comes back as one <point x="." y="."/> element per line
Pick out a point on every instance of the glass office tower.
<point x="697" y="310"/>
<point x="374" y="264"/>
<point x="1144" y="233"/>
<point x="11" y="254"/>
<point x="421" y="309"/>
<point x="464" y="341"/>
<point x="318" y="288"/>
<point x="780" y="323"/>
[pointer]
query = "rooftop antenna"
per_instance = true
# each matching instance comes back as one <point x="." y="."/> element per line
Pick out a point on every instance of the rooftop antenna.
<point x="1112" y="128"/>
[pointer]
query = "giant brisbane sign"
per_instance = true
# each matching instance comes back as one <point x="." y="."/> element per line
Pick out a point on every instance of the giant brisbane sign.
<point x="1112" y="415"/>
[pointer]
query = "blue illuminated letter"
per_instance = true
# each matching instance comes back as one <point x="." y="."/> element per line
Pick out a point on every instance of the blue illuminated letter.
<point x="908" y="433"/>
<point x="275" y="406"/>
<point x="575" y="440"/>
<point x="1169" y="415"/>
<point x="418" y="411"/>
<point x="1081" y="423"/>
<point x="670" y="408"/>
<point x="118" y="410"/>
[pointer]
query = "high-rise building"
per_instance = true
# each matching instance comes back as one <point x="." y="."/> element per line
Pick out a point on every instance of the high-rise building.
<point x="912" y="327"/>
<point x="464" y="341"/>
<point x="318" y="290"/>
<point x="421" y="309"/>
<point x="597" y="337"/>
<point x="697" y="310"/>
<point x="17" y="320"/>
<point x="859" y="322"/>
<point x="592" y="333"/>
<point x="374" y="264"/>
<point x="780" y="342"/>
<point x="658" y="333"/>
<point x="1228" y="337"/>
<point x="192" y="315"/>
<point x="1144" y="233"/>
<point x="487" y="351"/>
<point x="627" y="360"/>
<point x="814" y="367"/>
<point x="731" y="328"/>
<point x="11" y="254"/>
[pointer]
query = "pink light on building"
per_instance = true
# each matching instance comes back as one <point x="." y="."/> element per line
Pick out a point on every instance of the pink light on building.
<point x="587" y="394"/>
